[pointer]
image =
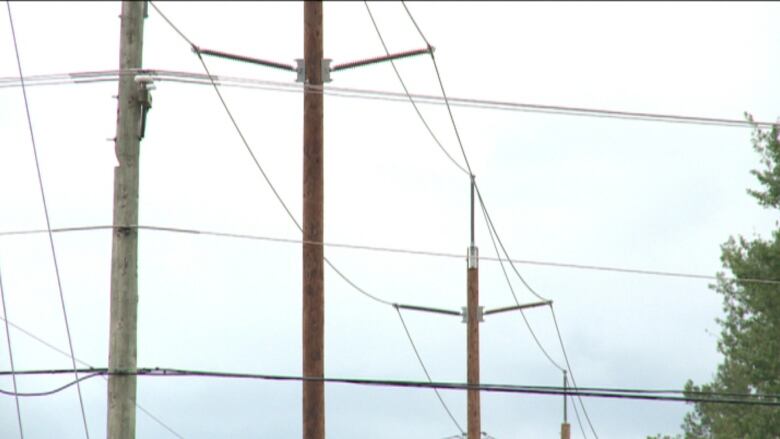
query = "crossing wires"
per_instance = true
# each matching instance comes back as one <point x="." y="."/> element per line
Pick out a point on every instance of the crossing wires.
<point x="489" y="222"/>
<point x="48" y="221"/>
<point x="292" y="217"/>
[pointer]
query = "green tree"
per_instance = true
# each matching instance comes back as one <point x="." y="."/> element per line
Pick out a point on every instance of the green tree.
<point x="750" y="328"/>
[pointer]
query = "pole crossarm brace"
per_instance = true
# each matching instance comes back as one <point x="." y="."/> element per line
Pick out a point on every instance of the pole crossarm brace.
<point x="247" y="59"/>
<point x="379" y="59"/>
<point x="460" y="313"/>
<point x="427" y="309"/>
<point x="517" y="307"/>
<point x="291" y="68"/>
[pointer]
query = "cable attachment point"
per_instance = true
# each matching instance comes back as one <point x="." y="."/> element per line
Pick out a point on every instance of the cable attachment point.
<point x="300" y="69"/>
<point x="472" y="257"/>
<point x="465" y="314"/>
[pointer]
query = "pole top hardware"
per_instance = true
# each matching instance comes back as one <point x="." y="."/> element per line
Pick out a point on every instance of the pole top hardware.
<point x="465" y="314"/>
<point x="300" y="70"/>
<point x="472" y="257"/>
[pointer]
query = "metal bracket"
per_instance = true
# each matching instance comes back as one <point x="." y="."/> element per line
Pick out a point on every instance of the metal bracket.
<point x="472" y="257"/>
<point x="300" y="69"/>
<point x="465" y="314"/>
<point x="145" y="86"/>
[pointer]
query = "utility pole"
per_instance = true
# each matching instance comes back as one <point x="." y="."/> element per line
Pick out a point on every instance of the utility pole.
<point x="565" y="427"/>
<point x="473" y="317"/>
<point x="313" y="270"/>
<point x="133" y="103"/>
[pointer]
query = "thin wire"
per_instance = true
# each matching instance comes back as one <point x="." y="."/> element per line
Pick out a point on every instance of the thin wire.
<point x="498" y="238"/>
<point x="258" y="84"/>
<point x="395" y="250"/>
<point x="262" y="171"/>
<point x="53" y="391"/>
<point x="492" y="232"/>
<point x="528" y="286"/>
<point x="173" y="26"/>
<point x="406" y="91"/>
<point x="48" y="222"/>
<point x="414" y="22"/>
<point x="425" y="370"/>
<point x="11" y="357"/>
<point x="571" y="372"/>
<point x="514" y="296"/>
<point x="83" y="363"/>
<point x="443" y="93"/>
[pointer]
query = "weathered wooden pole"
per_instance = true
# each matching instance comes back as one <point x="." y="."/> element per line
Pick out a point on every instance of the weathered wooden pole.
<point x="473" y="317"/>
<point x="132" y="106"/>
<point x="313" y="270"/>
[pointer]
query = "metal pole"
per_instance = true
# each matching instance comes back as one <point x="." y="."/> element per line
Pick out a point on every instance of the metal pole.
<point x="313" y="270"/>
<point x="122" y="353"/>
<point x="472" y="328"/>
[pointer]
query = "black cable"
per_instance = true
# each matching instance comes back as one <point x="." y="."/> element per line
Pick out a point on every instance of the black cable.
<point x="53" y="391"/>
<point x="769" y="400"/>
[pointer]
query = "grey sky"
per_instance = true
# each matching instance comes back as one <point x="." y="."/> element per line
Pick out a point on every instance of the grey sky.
<point x="559" y="188"/>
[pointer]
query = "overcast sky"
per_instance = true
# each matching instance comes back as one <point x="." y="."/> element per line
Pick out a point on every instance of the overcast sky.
<point x="582" y="190"/>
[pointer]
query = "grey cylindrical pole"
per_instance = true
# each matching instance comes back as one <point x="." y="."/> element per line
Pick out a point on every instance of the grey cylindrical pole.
<point x="122" y="353"/>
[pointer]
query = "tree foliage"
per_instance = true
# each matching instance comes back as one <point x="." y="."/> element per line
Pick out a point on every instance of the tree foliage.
<point x="750" y="328"/>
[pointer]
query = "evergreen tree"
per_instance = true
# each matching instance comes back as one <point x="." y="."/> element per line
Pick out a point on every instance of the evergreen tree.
<point x="750" y="335"/>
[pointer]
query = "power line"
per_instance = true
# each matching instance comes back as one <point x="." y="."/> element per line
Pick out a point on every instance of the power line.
<point x="491" y="233"/>
<point x="414" y="252"/>
<point x="425" y="370"/>
<point x="11" y="357"/>
<point x="162" y="75"/>
<point x="492" y="227"/>
<point x="257" y="162"/>
<point x="411" y="99"/>
<point x="48" y="222"/>
<point x="760" y="400"/>
<point x="83" y="363"/>
<point x="490" y="223"/>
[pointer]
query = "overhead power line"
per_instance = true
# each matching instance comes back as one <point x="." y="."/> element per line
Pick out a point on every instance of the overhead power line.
<point x="747" y="399"/>
<point x="85" y="364"/>
<point x="425" y="370"/>
<point x="162" y="75"/>
<point x="398" y="250"/>
<point x="48" y="221"/>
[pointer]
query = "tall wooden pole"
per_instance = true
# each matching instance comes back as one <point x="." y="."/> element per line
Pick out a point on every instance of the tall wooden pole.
<point x="122" y="353"/>
<point x="313" y="272"/>
<point x="472" y="328"/>
<point x="565" y="426"/>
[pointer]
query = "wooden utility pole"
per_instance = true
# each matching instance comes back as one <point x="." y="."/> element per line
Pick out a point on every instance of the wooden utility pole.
<point x="473" y="317"/>
<point x="565" y="426"/>
<point x="313" y="270"/>
<point x="122" y="352"/>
